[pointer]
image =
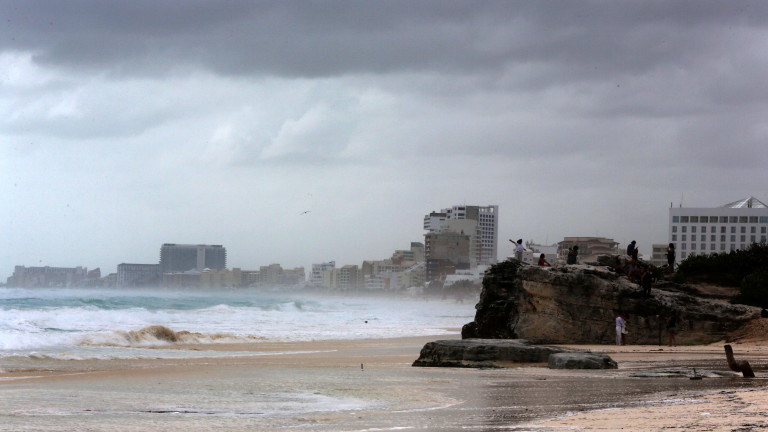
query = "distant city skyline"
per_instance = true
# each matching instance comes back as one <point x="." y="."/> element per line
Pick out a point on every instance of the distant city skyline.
<point x="646" y="249"/>
<point x="722" y="228"/>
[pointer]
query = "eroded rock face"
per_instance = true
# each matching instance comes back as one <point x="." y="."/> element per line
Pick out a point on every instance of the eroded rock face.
<point x="579" y="303"/>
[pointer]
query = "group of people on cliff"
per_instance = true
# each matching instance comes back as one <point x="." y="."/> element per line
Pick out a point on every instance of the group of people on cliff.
<point x="639" y="273"/>
<point x="573" y="253"/>
<point x="633" y="269"/>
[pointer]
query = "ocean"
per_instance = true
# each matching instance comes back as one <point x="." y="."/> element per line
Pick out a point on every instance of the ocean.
<point x="147" y="359"/>
<point x="80" y="323"/>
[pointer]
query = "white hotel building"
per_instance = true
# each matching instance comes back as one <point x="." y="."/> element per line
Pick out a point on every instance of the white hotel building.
<point x="736" y="225"/>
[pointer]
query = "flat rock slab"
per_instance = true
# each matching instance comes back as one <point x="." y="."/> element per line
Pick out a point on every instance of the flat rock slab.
<point x="581" y="360"/>
<point x="482" y="353"/>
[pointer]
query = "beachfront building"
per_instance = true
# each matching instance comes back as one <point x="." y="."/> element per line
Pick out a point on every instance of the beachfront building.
<point x="445" y="253"/>
<point x="345" y="278"/>
<point x="183" y="257"/>
<point x="250" y="277"/>
<point x="272" y="275"/>
<point x="707" y="230"/>
<point x="375" y="282"/>
<point x="137" y="275"/>
<point x="109" y="280"/>
<point x="224" y="278"/>
<point x="318" y="270"/>
<point x="486" y="230"/>
<point x="414" y="254"/>
<point x="186" y="279"/>
<point x="589" y="247"/>
<point x="413" y="276"/>
<point x="43" y="277"/>
<point x="350" y="278"/>
<point x="374" y="268"/>
<point x="386" y="275"/>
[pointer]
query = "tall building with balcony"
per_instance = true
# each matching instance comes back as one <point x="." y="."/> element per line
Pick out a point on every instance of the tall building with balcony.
<point x="185" y="257"/>
<point x="487" y="230"/>
<point x="707" y="230"/>
<point x="446" y="252"/>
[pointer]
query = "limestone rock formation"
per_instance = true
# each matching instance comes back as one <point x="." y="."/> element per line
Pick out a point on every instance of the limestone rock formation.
<point x="482" y="353"/>
<point x="579" y="303"/>
<point x="581" y="360"/>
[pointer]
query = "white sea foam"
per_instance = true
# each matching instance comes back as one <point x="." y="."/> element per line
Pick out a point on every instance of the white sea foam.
<point x="69" y="321"/>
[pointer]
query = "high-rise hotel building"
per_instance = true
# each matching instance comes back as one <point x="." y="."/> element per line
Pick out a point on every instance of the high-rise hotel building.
<point x="487" y="230"/>
<point x="185" y="257"/>
<point x="736" y="225"/>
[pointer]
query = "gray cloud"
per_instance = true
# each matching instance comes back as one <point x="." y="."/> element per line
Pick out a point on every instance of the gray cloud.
<point x="577" y="118"/>
<point x="311" y="39"/>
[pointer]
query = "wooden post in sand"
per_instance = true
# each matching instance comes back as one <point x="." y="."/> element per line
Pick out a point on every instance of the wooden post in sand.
<point x="738" y="366"/>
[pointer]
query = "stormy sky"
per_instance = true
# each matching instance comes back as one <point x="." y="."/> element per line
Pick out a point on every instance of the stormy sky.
<point x="308" y="131"/>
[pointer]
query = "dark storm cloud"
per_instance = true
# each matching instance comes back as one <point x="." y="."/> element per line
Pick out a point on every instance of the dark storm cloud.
<point x="326" y="38"/>
<point x="603" y="108"/>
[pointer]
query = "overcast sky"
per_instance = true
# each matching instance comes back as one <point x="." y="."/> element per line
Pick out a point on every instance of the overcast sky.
<point x="128" y="124"/>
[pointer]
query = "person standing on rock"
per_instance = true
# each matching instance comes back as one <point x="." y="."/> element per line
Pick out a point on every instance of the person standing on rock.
<point x="519" y="249"/>
<point x="646" y="281"/>
<point x="621" y="329"/>
<point x="573" y="255"/>
<point x="632" y="250"/>
<point x="671" y="257"/>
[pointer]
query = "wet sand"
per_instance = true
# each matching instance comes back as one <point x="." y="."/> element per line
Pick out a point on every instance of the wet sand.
<point x="370" y="386"/>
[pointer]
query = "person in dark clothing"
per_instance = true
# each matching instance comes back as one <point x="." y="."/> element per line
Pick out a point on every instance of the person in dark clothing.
<point x="671" y="257"/>
<point x="573" y="255"/>
<point x="646" y="281"/>
<point x="632" y="250"/>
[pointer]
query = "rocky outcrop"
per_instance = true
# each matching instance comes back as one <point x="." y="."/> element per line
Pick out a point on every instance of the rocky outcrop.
<point x="581" y="360"/>
<point x="579" y="303"/>
<point x="482" y="353"/>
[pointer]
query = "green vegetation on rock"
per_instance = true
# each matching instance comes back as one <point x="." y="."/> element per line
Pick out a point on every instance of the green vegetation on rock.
<point x="747" y="269"/>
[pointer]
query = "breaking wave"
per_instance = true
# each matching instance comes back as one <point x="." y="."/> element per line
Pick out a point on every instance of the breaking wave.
<point x="158" y="335"/>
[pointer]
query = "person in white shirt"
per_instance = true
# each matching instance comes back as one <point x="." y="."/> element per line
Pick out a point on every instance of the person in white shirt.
<point x="519" y="249"/>
<point x="621" y="328"/>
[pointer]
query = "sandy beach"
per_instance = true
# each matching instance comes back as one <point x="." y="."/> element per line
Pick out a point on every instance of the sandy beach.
<point x="369" y="385"/>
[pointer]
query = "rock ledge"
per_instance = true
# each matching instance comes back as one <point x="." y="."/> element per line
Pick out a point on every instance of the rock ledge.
<point x="483" y="353"/>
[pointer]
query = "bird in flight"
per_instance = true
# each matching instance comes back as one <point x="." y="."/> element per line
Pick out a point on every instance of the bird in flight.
<point x="304" y="212"/>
